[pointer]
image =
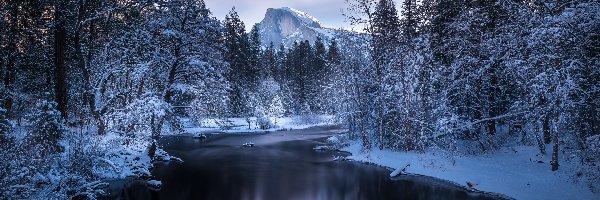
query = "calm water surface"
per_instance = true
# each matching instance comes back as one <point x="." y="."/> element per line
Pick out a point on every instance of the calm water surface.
<point x="284" y="165"/>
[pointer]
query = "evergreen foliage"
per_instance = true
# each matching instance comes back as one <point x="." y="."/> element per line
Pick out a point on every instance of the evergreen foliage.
<point x="471" y="76"/>
<point x="88" y="87"/>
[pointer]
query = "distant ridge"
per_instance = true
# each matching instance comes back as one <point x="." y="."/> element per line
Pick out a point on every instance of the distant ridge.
<point x="288" y="25"/>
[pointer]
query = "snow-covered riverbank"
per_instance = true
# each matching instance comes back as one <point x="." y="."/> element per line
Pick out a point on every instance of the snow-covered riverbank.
<point x="516" y="172"/>
<point x="252" y="124"/>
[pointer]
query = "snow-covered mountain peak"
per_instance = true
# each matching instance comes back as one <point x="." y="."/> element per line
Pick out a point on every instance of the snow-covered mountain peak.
<point x="288" y="25"/>
<point x="306" y="18"/>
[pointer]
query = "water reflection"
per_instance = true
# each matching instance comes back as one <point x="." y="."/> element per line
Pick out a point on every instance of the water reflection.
<point x="285" y="170"/>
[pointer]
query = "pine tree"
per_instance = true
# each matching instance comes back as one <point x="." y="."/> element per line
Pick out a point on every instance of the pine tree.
<point x="316" y="73"/>
<point x="333" y="54"/>
<point x="254" y="52"/>
<point x="331" y="75"/>
<point x="302" y="63"/>
<point x="281" y="62"/>
<point x="386" y="28"/>
<point x="269" y="67"/>
<point x="385" y="34"/>
<point x="442" y="13"/>
<point x="410" y="19"/>
<point x="236" y="43"/>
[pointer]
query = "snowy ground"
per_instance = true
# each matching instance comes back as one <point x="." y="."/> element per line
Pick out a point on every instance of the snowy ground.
<point x="516" y="172"/>
<point x="250" y="125"/>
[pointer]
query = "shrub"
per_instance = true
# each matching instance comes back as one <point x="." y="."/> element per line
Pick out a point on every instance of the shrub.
<point x="47" y="128"/>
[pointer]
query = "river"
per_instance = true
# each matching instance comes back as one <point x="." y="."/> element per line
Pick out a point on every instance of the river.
<point x="284" y="165"/>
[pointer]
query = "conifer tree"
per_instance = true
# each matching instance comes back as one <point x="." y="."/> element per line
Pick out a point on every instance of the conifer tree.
<point x="385" y="34"/>
<point x="269" y="67"/>
<point x="333" y="53"/>
<point x="410" y="19"/>
<point x="236" y="43"/>
<point x="254" y="52"/>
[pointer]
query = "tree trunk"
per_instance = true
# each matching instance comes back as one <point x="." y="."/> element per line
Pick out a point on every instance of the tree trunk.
<point x="491" y="126"/>
<point x="539" y="140"/>
<point x="380" y="107"/>
<point x="546" y="129"/>
<point x="89" y="90"/>
<point x="172" y="75"/>
<point x="140" y="89"/>
<point x="10" y="75"/>
<point x="492" y="102"/>
<point x="82" y="63"/>
<point x="9" y="79"/>
<point x="155" y="126"/>
<point x="152" y="149"/>
<point x="169" y="92"/>
<point x="60" y="68"/>
<point x="556" y="111"/>
<point x="554" y="161"/>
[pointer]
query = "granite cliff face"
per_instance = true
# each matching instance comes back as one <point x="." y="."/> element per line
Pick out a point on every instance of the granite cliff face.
<point x="287" y="25"/>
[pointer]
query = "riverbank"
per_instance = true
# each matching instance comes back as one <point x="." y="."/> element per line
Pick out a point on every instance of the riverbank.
<point x="516" y="172"/>
<point x="285" y="165"/>
<point x="253" y="124"/>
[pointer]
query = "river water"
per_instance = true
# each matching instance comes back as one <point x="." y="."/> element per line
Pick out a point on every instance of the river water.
<point x="284" y="165"/>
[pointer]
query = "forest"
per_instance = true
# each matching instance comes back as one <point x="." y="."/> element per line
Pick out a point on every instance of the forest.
<point x="89" y="86"/>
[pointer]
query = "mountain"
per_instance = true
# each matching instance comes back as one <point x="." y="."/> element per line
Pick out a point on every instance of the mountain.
<point x="287" y="25"/>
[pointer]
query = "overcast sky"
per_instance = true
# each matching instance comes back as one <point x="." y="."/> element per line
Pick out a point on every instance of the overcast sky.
<point x="253" y="11"/>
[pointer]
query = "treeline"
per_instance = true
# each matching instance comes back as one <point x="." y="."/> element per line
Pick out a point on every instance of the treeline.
<point x="270" y="81"/>
<point x="90" y="85"/>
<point x="472" y="76"/>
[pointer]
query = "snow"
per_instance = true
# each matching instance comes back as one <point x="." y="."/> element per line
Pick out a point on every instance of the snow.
<point x="396" y="172"/>
<point x="296" y="34"/>
<point x="333" y="140"/>
<point x="240" y="125"/>
<point x="327" y="33"/>
<point x="154" y="183"/>
<point x="306" y="18"/>
<point x="169" y="32"/>
<point x="514" y="172"/>
<point x="124" y="160"/>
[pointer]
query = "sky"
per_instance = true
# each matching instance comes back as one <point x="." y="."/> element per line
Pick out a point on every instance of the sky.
<point x="329" y="12"/>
